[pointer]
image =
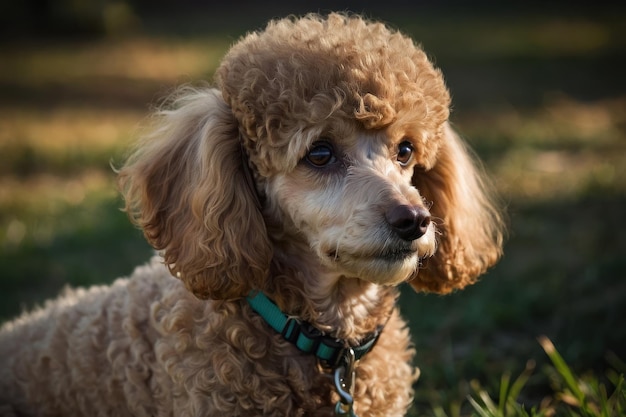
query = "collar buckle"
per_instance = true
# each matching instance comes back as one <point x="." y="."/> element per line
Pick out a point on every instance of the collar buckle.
<point x="331" y="352"/>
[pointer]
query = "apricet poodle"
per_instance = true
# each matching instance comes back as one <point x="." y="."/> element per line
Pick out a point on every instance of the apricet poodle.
<point x="287" y="203"/>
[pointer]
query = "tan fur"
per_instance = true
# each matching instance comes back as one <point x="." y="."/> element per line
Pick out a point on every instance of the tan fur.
<point x="469" y="220"/>
<point x="221" y="188"/>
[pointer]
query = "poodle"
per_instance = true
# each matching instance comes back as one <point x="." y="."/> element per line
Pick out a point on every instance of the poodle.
<point x="286" y="201"/>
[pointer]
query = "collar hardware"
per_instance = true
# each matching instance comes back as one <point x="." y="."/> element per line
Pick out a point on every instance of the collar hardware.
<point x="331" y="352"/>
<point x="344" y="383"/>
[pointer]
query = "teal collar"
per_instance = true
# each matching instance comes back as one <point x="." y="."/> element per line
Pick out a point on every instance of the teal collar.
<point x="330" y="351"/>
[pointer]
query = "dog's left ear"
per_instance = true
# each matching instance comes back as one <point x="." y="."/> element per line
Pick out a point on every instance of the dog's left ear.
<point x="186" y="187"/>
<point x="469" y="222"/>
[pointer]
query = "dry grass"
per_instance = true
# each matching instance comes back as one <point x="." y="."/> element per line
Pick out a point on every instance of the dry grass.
<point x="139" y="59"/>
<point x="561" y="150"/>
<point x="55" y="130"/>
<point x="61" y="127"/>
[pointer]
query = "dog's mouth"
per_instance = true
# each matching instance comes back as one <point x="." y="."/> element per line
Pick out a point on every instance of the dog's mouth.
<point x="396" y="254"/>
<point x="389" y="265"/>
<point x="389" y="254"/>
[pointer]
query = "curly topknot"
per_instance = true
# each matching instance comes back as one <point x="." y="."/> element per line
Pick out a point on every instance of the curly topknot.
<point x="299" y="73"/>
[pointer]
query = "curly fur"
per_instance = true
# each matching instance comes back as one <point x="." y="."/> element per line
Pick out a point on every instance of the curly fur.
<point x="224" y="188"/>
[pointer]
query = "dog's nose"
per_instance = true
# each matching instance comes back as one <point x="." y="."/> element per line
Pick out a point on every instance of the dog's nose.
<point x="409" y="222"/>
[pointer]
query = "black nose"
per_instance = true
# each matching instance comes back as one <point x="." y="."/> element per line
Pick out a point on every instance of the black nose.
<point x="409" y="222"/>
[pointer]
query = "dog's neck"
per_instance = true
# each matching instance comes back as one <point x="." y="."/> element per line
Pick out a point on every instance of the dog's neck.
<point x="347" y="308"/>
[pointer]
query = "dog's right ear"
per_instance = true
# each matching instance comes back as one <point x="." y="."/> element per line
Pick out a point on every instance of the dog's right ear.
<point x="186" y="187"/>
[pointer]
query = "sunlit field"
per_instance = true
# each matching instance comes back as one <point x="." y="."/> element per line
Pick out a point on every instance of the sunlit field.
<point x="541" y="99"/>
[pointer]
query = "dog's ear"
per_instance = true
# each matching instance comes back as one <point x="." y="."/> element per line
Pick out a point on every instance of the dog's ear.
<point x="185" y="186"/>
<point x="469" y="222"/>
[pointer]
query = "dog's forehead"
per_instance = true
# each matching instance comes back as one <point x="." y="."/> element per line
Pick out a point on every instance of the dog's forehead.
<point x="285" y="82"/>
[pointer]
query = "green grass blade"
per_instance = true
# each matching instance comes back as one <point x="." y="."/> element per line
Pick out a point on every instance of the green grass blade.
<point x="479" y="409"/>
<point x="438" y="412"/>
<point x="521" y="380"/>
<point x="616" y="403"/>
<point x="562" y="368"/>
<point x="504" y="389"/>
<point x="489" y="402"/>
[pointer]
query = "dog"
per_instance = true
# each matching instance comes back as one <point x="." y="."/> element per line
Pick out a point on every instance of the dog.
<point x="287" y="202"/>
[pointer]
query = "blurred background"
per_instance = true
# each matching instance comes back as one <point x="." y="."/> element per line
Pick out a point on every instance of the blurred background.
<point x="539" y="91"/>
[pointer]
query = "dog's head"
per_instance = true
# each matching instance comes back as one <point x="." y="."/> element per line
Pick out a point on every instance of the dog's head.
<point x="343" y="125"/>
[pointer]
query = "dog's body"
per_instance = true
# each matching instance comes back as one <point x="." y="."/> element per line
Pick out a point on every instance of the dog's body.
<point x="147" y="347"/>
<point x="322" y="173"/>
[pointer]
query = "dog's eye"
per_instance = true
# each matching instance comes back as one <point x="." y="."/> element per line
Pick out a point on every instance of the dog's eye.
<point x="405" y="153"/>
<point x="321" y="154"/>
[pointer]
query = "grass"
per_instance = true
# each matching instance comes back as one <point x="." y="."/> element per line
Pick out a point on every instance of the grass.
<point x="540" y="97"/>
<point x="573" y="395"/>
